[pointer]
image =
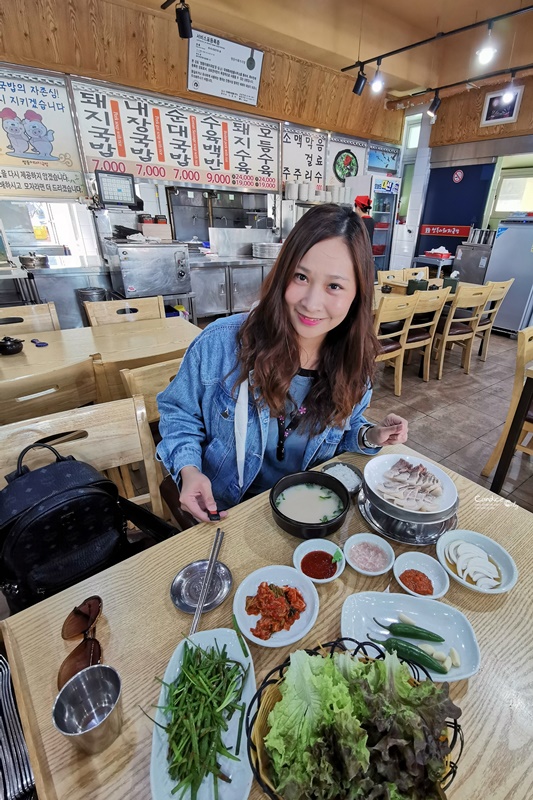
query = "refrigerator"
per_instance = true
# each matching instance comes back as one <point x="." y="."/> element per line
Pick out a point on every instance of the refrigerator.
<point x="512" y="257"/>
<point x="385" y="193"/>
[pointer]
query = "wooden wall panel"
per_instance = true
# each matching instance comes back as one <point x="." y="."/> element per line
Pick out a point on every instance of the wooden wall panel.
<point x="459" y="117"/>
<point x="115" y="40"/>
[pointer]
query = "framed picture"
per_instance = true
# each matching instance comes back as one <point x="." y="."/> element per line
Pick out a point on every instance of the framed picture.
<point x="498" y="109"/>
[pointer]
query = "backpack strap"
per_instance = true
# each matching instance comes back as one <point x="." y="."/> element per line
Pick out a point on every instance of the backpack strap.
<point x="146" y="521"/>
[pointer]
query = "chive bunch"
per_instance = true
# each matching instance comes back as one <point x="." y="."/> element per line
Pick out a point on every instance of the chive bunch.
<point x="199" y="705"/>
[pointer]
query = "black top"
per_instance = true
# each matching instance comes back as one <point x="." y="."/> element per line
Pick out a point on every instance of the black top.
<point x="369" y="224"/>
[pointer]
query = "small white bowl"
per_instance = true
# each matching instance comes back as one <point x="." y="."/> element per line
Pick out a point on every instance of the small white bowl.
<point x="499" y="555"/>
<point x="359" y="538"/>
<point x="429" y="566"/>
<point x="308" y="546"/>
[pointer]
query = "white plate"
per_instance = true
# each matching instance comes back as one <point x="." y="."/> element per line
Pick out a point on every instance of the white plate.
<point x="239" y="771"/>
<point x="426" y="564"/>
<point x="357" y="621"/>
<point x="498" y="553"/>
<point x="280" y="576"/>
<point x="359" y="538"/>
<point x="378" y="465"/>
<point x="326" y="546"/>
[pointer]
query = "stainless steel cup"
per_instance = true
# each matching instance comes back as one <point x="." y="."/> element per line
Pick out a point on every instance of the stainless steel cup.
<point x="88" y="709"/>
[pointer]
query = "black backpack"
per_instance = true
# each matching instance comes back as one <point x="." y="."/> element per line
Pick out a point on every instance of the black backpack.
<point x="62" y="523"/>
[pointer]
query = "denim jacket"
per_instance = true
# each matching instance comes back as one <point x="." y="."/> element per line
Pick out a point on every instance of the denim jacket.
<point x="199" y="421"/>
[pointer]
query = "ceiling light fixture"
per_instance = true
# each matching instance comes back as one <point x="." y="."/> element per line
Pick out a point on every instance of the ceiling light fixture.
<point x="434" y="105"/>
<point x="183" y="18"/>
<point x="377" y="82"/>
<point x="360" y="82"/>
<point x="508" y="95"/>
<point x="488" y="51"/>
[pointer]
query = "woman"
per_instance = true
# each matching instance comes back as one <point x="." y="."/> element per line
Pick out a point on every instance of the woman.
<point x="284" y="388"/>
<point x="362" y="206"/>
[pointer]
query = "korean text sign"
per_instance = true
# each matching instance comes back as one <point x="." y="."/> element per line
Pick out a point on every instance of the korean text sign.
<point x="304" y="155"/>
<point x="159" y="139"/>
<point x="38" y="151"/>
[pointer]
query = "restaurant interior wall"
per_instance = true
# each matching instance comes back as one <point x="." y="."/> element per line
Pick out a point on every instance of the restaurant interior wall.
<point x="126" y="44"/>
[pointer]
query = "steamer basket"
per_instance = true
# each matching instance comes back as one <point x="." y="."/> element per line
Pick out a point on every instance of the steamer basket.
<point x="269" y="694"/>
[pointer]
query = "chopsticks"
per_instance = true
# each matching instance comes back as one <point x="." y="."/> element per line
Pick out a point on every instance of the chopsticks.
<point x="207" y="579"/>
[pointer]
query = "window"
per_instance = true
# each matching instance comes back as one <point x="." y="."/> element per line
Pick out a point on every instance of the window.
<point x="413" y="135"/>
<point x="515" y="194"/>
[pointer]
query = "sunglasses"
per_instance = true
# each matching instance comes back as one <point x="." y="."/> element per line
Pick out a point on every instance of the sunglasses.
<point x="81" y="622"/>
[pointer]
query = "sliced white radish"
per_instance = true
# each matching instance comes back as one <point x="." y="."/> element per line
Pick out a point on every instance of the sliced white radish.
<point x="487" y="583"/>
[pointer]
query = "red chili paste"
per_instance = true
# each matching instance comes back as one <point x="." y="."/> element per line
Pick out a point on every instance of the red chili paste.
<point x="318" y="564"/>
<point x="416" y="581"/>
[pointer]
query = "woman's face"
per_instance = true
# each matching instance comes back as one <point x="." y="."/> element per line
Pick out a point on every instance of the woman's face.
<point x="321" y="290"/>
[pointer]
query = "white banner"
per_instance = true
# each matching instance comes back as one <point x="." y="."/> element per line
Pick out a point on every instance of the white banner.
<point x="159" y="139"/>
<point x="38" y="151"/>
<point x="223" y="68"/>
<point x="304" y="156"/>
<point x="346" y="159"/>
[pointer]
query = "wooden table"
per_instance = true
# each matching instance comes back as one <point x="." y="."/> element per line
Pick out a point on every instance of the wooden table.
<point x="140" y="629"/>
<point x="519" y="418"/>
<point x="128" y="340"/>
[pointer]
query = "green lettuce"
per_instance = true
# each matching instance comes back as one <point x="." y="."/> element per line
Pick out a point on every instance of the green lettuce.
<point x="348" y="730"/>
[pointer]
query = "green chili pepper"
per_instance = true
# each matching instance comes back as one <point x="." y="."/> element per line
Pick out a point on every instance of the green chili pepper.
<point x="411" y="631"/>
<point x="410" y="652"/>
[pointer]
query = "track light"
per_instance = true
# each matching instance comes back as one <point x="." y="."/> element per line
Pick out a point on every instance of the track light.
<point x="377" y="83"/>
<point x="508" y="95"/>
<point x="434" y="105"/>
<point x="360" y="81"/>
<point x="488" y="51"/>
<point x="183" y="18"/>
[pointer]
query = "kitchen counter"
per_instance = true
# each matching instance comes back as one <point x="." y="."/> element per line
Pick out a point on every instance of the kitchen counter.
<point x="197" y="262"/>
<point x="65" y="265"/>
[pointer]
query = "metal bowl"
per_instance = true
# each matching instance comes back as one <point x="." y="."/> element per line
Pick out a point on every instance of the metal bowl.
<point x="309" y="530"/>
<point x="395" y="512"/>
<point x="357" y="472"/>
<point x="186" y="587"/>
<point x="414" y="533"/>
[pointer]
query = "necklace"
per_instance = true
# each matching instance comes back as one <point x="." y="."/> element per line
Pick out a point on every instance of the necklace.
<point x="285" y="431"/>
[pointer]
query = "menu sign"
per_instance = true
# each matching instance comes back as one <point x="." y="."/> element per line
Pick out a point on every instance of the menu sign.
<point x="223" y="68"/>
<point x="38" y="152"/>
<point x="304" y="156"/>
<point x="346" y="159"/>
<point x="159" y="139"/>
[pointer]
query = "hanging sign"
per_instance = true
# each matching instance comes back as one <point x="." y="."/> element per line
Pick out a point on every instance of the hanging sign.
<point x="346" y="159"/>
<point x="38" y="151"/>
<point x="383" y="158"/>
<point x="458" y="176"/>
<point x="159" y="139"/>
<point x="223" y="68"/>
<point x="304" y="156"/>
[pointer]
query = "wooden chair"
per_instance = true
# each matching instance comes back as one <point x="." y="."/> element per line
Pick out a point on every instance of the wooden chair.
<point x="109" y="383"/>
<point x="452" y="330"/>
<point x="149" y="381"/>
<point x="389" y="275"/>
<point x="108" y="436"/>
<point x="395" y="308"/>
<point x="414" y="272"/>
<point x="60" y="389"/>
<point x="424" y="324"/>
<point x="29" y="319"/>
<point x="496" y="298"/>
<point x="524" y="355"/>
<point x="109" y="312"/>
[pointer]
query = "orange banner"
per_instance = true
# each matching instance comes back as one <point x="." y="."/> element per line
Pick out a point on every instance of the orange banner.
<point x="194" y="141"/>
<point x="117" y="124"/>
<point x="158" y="134"/>
<point x="225" y="145"/>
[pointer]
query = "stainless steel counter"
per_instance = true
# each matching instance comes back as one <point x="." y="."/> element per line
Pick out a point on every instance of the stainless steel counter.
<point x="197" y="262"/>
<point x="71" y="265"/>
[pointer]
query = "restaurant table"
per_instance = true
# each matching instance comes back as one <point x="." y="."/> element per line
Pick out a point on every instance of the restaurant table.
<point x="118" y="342"/>
<point x="140" y="628"/>
<point x="432" y="261"/>
<point x="524" y="403"/>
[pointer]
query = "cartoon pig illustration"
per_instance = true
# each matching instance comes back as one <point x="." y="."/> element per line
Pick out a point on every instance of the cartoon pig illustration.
<point x="14" y="128"/>
<point x="40" y="136"/>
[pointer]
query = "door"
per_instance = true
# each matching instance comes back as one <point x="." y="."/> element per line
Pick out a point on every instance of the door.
<point x="209" y="286"/>
<point x="245" y="285"/>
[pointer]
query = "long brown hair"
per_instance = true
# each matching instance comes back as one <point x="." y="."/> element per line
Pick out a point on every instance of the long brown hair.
<point x="269" y="343"/>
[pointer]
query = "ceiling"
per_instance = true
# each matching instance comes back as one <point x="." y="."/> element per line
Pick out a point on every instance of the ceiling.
<point x="335" y="33"/>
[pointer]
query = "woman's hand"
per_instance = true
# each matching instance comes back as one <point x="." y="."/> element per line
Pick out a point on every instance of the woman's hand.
<point x="196" y="495"/>
<point x="393" y="430"/>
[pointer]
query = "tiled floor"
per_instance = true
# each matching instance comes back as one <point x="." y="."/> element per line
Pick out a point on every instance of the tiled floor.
<point x="457" y="421"/>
